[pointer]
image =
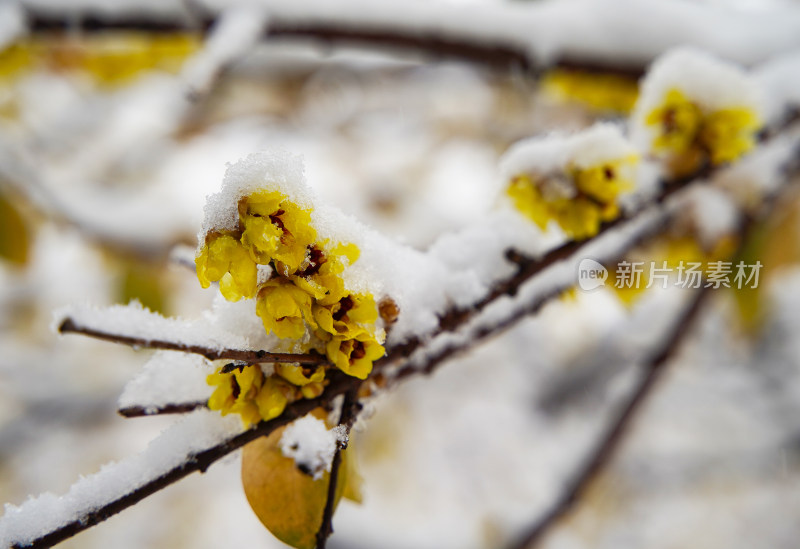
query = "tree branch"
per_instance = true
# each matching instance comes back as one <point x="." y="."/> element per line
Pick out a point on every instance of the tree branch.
<point x="68" y="325"/>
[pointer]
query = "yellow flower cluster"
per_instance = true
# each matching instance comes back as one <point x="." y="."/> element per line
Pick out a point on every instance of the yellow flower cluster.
<point x="691" y="136"/>
<point x="110" y="59"/>
<point x="304" y="299"/>
<point x="594" y="199"/>
<point x="601" y="92"/>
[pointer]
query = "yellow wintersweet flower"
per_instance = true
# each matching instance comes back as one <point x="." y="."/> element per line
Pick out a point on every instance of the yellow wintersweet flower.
<point x="604" y="182"/>
<point x="15" y="59"/>
<point x="235" y="393"/>
<point x="284" y="308"/>
<point x="117" y="58"/>
<point x="298" y="375"/>
<point x="603" y="92"/>
<point x="248" y="393"/>
<point x="678" y="122"/>
<point x="691" y="135"/>
<point x="223" y="259"/>
<point x="272" y="398"/>
<point x="320" y="273"/>
<point x="349" y="317"/>
<point x="354" y="356"/>
<point x="729" y="133"/>
<point x="276" y="229"/>
<point x="580" y="218"/>
<point x="596" y="191"/>
<point x="528" y="200"/>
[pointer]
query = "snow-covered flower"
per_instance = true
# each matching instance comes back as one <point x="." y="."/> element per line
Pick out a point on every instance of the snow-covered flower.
<point x="256" y="222"/>
<point x="574" y="181"/>
<point x="696" y="110"/>
<point x="224" y="259"/>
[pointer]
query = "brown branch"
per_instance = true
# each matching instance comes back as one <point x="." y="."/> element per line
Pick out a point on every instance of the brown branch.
<point x="494" y="53"/>
<point x="176" y="408"/>
<point x="196" y="462"/>
<point x="350" y="409"/>
<point x="68" y="325"/>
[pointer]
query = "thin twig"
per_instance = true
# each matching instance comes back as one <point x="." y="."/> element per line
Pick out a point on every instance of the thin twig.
<point x="611" y="440"/>
<point x="177" y="408"/>
<point x="68" y="325"/>
<point x="350" y="409"/>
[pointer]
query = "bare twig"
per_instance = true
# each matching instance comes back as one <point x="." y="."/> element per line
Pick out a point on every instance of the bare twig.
<point x="68" y="325"/>
<point x="350" y="409"/>
<point x="178" y="408"/>
<point x="610" y="441"/>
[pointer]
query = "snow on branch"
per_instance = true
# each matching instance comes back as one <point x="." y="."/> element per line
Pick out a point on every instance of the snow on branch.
<point x="583" y="33"/>
<point x="136" y="326"/>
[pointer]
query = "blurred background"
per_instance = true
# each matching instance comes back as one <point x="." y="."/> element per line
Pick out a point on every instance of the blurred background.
<point x="110" y="142"/>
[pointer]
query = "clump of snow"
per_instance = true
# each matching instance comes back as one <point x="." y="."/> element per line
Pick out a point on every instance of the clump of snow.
<point x="554" y="153"/>
<point x="135" y="321"/>
<point x="312" y="445"/>
<point x="177" y="445"/>
<point x="711" y="83"/>
<point x="278" y="170"/>
<point x="169" y="377"/>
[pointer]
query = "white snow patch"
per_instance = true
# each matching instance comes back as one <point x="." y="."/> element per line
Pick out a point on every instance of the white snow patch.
<point x="133" y="320"/>
<point x="311" y="444"/>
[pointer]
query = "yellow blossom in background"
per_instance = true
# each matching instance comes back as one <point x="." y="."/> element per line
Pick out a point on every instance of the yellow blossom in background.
<point x="601" y="92"/>
<point x="604" y="182"/>
<point x="119" y="58"/>
<point x="15" y="59"/>
<point x="110" y="59"/>
<point x="528" y="200"/>
<point x="596" y="189"/>
<point x="284" y="308"/>
<point x="354" y="356"/>
<point x="224" y="259"/>
<point x="729" y="133"/>
<point x="690" y="135"/>
<point x="678" y="121"/>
